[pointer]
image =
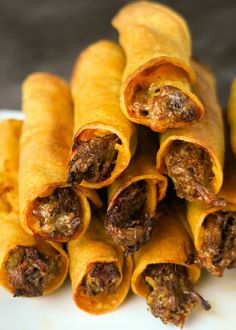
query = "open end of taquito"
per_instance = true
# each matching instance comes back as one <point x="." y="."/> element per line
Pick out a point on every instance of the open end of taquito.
<point x="170" y="254"/>
<point x="29" y="267"/>
<point x="203" y="181"/>
<point x="163" y="275"/>
<point x="99" y="272"/>
<point x="132" y="211"/>
<point x="170" y="243"/>
<point x="57" y="213"/>
<point x="156" y="88"/>
<point x="117" y="272"/>
<point x="214" y="232"/>
<point x="99" y="154"/>
<point x="158" y="95"/>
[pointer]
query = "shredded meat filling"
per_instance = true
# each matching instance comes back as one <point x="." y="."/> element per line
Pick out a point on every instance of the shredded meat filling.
<point x="30" y="271"/>
<point x="218" y="250"/>
<point x="190" y="169"/>
<point x="127" y="222"/>
<point x="171" y="296"/>
<point x="93" y="159"/>
<point x="102" y="278"/>
<point x="166" y="103"/>
<point x="59" y="215"/>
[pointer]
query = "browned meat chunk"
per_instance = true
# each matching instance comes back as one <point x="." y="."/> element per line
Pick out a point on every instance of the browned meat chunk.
<point x="171" y="296"/>
<point x="93" y="159"/>
<point x="59" y="214"/>
<point x="165" y="103"/>
<point x="190" y="169"/>
<point x="30" y="271"/>
<point x="218" y="250"/>
<point x="126" y="222"/>
<point x="102" y="278"/>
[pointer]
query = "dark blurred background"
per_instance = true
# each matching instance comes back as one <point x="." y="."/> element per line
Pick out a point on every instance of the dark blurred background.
<point x="47" y="35"/>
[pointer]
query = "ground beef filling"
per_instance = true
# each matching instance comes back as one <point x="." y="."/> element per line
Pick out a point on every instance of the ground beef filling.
<point x="218" y="251"/>
<point x="59" y="215"/>
<point x="102" y="278"/>
<point x="127" y="222"/>
<point x="190" y="169"/>
<point x="30" y="271"/>
<point x="171" y="296"/>
<point x="93" y="159"/>
<point x="166" y="103"/>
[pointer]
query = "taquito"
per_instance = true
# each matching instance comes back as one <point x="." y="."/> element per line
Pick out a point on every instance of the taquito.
<point x="133" y="197"/>
<point x="9" y="159"/>
<point x="156" y="84"/>
<point x="50" y="208"/>
<point x="104" y="139"/>
<point x="193" y="157"/>
<point x="161" y="274"/>
<point x="231" y="114"/>
<point x="100" y="274"/>
<point x="27" y="267"/>
<point x="214" y="228"/>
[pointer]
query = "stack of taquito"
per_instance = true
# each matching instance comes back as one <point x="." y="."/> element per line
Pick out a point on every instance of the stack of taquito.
<point x="76" y="139"/>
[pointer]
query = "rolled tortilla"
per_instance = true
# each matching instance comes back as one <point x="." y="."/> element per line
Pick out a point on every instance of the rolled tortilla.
<point x="193" y="157"/>
<point x="214" y="228"/>
<point x="100" y="274"/>
<point x="43" y="265"/>
<point x="161" y="273"/>
<point x="27" y="267"/>
<point x="9" y="139"/>
<point x="104" y="139"/>
<point x="231" y="114"/>
<point x="134" y="196"/>
<point x="50" y="208"/>
<point x="156" y="84"/>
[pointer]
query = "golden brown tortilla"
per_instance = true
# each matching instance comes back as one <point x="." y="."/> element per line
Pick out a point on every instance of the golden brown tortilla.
<point x="96" y="83"/>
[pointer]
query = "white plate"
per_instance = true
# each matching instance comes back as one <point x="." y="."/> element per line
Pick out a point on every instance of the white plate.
<point x="58" y="312"/>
